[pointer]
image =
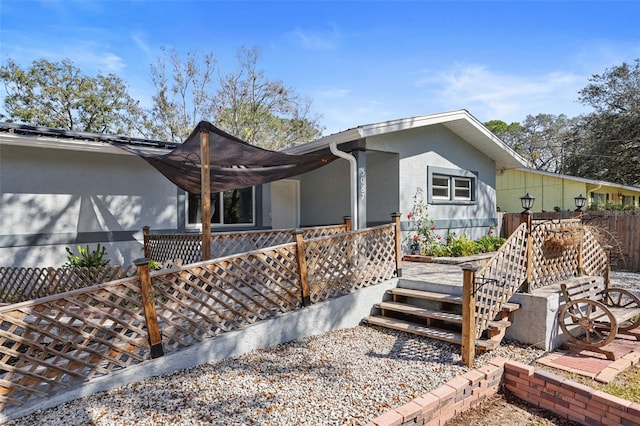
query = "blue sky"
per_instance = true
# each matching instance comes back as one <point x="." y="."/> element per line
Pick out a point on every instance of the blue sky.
<point x="360" y="62"/>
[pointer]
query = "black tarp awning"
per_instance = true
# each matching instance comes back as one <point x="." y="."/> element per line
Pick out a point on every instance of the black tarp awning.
<point x="233" y="163"/>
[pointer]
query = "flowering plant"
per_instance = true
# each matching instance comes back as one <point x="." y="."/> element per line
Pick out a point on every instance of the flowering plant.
<point x="423" y="236"/>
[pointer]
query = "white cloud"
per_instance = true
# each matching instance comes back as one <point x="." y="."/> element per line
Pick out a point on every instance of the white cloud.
<point x="86" y="56"/>
<point x="314" y="40"/>
<point x="139" y="40"/>
<point x="497" y="95"/>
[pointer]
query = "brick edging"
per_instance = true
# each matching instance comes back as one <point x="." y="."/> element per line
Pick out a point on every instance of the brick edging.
<point x="566" y="398"/>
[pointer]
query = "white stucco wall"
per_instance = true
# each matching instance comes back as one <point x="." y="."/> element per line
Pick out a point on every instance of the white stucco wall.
<point x="53" y="198"/>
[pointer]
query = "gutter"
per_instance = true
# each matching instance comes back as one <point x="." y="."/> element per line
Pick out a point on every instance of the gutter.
<point x="354" y="180"/>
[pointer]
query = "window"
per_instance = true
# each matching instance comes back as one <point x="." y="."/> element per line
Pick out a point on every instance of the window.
<point x="227" y="208"/>
<point x="440" y="187"/>
<point x="462" y="188"/>
<point x="451" y="186"/>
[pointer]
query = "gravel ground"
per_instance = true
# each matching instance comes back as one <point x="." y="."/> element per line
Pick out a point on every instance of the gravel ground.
<point x="343" y="377"/>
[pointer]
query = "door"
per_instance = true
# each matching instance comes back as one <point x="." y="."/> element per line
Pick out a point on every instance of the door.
<point x="285" y="204"/>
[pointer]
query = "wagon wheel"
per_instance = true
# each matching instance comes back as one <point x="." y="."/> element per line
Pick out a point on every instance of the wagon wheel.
<point x="621" y="298"/>
<point x="588" y="322"/>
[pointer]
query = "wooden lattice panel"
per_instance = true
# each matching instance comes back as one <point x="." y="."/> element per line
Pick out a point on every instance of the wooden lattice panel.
<point x="164" y="247"/>
<point x="209" y="298"/>
<point x="56" y="342"/>
<point x="22" y="284"/>
<point x="552" y="262"/>
<point x="323" y="231"/>
<point x="594" y="258"/>
<point x="228" y="243"/>
<point x="188" y="247"/>
<point x="500" y="278"/>
<point x="342" y="263"/>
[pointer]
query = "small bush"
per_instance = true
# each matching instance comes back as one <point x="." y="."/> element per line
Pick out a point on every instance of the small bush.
<point x="86" y="258"/>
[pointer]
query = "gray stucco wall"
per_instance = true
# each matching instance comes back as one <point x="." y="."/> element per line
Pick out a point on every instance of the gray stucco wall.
<point x="53" y="198"/>
<point x="324" y="194"/>
<point x="383" y="186"/>
<point x="437" y="146"/>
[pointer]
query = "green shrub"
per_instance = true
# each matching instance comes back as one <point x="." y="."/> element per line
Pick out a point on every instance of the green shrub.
<point x="460" y="246"/>
<point x="86" y="258"/>
<point x="488" y="243"/>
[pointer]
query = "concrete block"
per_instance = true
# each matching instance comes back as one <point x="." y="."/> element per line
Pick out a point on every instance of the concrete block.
<point x="536" y="322"/>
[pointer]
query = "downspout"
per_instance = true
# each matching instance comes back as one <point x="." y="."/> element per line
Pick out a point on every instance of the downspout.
<point x="354" y="181"/>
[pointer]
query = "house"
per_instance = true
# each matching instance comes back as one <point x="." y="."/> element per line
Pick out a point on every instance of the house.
<point x="555" y="191"/>
<point x="450" y="157"/>
<point x="59" y="188"/>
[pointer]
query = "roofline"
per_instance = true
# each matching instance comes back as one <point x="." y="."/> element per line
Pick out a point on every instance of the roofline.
<point x="46" y="137"/>
<point x="397" y="125"/>
<point x="579" y="179"/>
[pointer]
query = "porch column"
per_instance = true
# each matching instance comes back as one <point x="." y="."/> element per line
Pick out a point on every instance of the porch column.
<point x="361" y="158"/>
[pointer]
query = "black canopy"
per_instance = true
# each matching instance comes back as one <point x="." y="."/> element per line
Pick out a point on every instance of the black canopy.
<point x="233" y="163"/>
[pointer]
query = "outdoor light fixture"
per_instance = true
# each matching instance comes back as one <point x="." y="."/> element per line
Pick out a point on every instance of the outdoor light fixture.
<point x="580" y="202"/>
<point x="527" y="202"/>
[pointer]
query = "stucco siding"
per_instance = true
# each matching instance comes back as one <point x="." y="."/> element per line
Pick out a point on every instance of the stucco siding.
<point x="325" y="194"/>
<point x="52" y="198"/>
<point x="383" y="188"/>
<point x="437" y="146"/>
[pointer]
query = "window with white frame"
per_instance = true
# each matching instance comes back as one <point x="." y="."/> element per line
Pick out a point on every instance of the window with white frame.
<point x="462" y="188"/>
<point x="234" y="207"/>
<point x="441" y="187"/>
<point x="451" y="186"/>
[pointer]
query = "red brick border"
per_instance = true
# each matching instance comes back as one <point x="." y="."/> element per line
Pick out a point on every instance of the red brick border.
<point x="566" y="398"/>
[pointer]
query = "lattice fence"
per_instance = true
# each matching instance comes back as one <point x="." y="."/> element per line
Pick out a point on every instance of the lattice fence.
<point x="594" y="261"/>
<point x="342" y="263"/>
<point x="52" y="343"/>
<point x="556" y="251"/>
<point x="209" y="298"/>
<point x="161" y="247"/>
<point x="21" y="284"/>
<point x="500" y="278"/>
<point x="560" y="249"/>
<point x="188" y="247"/>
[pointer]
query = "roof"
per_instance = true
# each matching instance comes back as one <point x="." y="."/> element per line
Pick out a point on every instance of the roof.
<point x="460" y="122"/>
<point x="46" y="137"/>
<point x="579" y="179"/>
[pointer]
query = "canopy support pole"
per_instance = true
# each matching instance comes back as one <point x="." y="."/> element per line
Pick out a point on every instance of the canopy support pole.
<point x="205" y="194"/>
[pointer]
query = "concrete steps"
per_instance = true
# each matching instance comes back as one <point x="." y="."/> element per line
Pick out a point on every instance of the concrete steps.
<point x="434" y="314"/>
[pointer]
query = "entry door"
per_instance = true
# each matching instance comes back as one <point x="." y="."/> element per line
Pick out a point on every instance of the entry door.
<point x="285" y="204"/>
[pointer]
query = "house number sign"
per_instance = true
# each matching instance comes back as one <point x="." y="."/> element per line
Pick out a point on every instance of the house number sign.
<point x="362" y="174"/>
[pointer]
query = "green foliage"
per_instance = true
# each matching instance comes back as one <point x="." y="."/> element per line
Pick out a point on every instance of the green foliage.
<point x="425" y="239"/>
<point x="86" y="258"/>
<point x="602" y="145"/>
<point x="424" y="235"/>
<point x="59" y="95"/>
<point x="154" y="265"/>
<point x="460" y="246"/>
<point x="488" y="243"/>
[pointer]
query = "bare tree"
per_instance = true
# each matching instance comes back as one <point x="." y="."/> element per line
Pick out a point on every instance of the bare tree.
<point x="185" y="90"/>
